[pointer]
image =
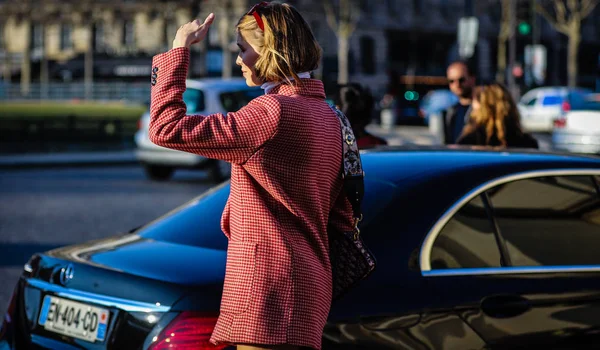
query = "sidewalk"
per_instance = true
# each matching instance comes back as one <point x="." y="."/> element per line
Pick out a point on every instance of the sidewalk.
<point x="399" y="135"/>
<point x="71" y="159"/>
<point x="404" y="135"/>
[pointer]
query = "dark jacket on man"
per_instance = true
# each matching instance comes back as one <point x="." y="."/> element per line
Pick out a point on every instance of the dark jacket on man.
<point x="449" y="118"/>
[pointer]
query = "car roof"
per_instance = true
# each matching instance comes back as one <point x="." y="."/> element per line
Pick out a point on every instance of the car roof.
<point x="217" y="83"/>
<point x="400" y="163"/>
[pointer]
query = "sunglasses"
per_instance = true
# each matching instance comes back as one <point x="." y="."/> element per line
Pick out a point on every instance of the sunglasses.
<point x="460" y="80"/>
<point x="254" y="12"/>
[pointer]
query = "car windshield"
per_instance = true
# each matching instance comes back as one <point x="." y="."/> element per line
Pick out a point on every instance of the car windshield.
<point x="194" y="100"/>
<point x="589" y="102"/>
<point x="234" y="100"/>
<point x="197" y="222"/>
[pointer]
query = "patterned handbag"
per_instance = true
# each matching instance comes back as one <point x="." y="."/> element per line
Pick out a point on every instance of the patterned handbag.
<point x="351" y="260"/>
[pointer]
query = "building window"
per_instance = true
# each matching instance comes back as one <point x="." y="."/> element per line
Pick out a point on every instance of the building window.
<point x="364" y="6"/>
<point x="367" y="55"/>
<point x="171" y="30"/>
<point x="37" y="36"/>
<point x="2" y="36"/>
<point x="392" y="7"/>
<point x="66" y="32"/>
<point x="418" y="7"/>
<point x="129" y="33"/>
<point x="99" y="35"/>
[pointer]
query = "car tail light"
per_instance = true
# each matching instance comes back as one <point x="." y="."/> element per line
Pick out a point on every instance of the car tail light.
<point x="560" y="122"/>
<point x="189" y="330"/>
<point x="566" y="106"/>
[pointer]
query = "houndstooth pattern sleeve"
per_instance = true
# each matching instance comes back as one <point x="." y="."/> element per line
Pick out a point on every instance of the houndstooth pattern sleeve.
<point x="234" y="137"/>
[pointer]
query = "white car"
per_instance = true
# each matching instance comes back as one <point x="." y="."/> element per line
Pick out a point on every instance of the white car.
<point x="578" y="129"/>
<point x="541" y="106"/>
<point x="205" y="96"/>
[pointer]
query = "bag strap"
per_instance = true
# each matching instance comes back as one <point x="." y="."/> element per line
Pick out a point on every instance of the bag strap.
<point x="352" y="170"/>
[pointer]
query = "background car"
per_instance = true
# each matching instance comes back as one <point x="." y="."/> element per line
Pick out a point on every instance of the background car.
<point x="539" y="107"/>
<point x="436" y="101"/>
<point x="578" y="129"/>
<point x="475" y="249"/>
<point x="206" y="96"/>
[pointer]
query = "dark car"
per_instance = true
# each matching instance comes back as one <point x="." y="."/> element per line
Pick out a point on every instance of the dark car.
<point x="476" y="249"/>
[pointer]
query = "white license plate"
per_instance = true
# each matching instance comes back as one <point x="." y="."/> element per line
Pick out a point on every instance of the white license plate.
<point x="73" y="319"/>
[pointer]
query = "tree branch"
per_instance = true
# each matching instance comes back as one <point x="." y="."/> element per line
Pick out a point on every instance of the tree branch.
<point x="561" y="12"/>
<point x="330" y="15"/>
<point x="587" y="6"/>
<point x="354" y="15"/>
<point x="573" y="6"/>
<point x="553" y="22"/>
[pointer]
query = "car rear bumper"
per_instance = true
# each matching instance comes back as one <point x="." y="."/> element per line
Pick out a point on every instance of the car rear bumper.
<point x="169" y="158"/>
<point x="576" y="142"/>
<point x="537" y="125"/>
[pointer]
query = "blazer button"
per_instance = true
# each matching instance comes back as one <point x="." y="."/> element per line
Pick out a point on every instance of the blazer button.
<point x="155" y="69"/>
<point x="153" y="82"/>
<point x="154" y="76"/>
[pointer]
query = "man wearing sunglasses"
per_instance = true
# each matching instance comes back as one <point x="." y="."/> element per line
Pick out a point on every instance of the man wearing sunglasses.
<point x="461" y="82"/>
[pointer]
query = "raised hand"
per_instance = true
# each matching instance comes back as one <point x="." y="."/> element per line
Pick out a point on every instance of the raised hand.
<point x="192" y="32"/>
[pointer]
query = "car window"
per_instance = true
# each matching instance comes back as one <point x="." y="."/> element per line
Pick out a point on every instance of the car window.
<point x="467" y="240"/>
<point x="197" y="223"/>
<point x="531" y="102"/>
<point x="552" y="221"/>
<point x="194" y="100"/>
<point x="552" y="100"/>
<point x="234" y="100"/>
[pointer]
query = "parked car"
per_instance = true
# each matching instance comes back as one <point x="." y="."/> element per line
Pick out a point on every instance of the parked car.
<point x="436" y="101"/>
<point x="578" y="129"/>
<point x="206" y="96"/>
<point x="476" y="249"/>
<point x="541" y="106"/>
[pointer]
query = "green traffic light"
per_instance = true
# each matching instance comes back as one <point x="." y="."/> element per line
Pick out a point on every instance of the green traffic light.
<point x="524" y="28"/>
<point x="411" y="95"/>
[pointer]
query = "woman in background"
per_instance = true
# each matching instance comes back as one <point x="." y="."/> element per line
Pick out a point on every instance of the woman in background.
<point x="357" y="104"/>
<point x="495" y="120"/>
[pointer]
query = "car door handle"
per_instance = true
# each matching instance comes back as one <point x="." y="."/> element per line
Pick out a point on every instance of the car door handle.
<point x="505" y="306"/>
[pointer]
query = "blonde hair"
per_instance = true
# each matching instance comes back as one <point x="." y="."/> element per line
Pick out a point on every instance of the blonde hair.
<point x="287" y="45"/>
<point x="498" y="114"/>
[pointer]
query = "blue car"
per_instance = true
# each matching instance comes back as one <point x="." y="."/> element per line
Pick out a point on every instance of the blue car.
<point x="476" y="249"/>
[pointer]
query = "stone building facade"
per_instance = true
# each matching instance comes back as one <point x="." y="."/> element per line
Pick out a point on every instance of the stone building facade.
<point x="408" y="40"/>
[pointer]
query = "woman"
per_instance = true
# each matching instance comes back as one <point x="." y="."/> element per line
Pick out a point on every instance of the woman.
<point x="495" y="120"/>
<point x="286" y="153"/>
<point x="357" y="104"/>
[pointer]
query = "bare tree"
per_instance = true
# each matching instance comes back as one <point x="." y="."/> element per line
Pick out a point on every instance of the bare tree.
<point x="504" y="34"/>
<point x="567" y="20"/>
<point x="224" y="27"/>
<point x="342" y="19"/>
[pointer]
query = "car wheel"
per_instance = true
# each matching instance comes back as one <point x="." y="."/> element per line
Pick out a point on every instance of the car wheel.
<point x="219" y="171"/>
<point x="159" y="172"/>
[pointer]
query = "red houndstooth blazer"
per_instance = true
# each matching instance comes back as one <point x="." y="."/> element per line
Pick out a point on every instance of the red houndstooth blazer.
<point x="286" y="154"/>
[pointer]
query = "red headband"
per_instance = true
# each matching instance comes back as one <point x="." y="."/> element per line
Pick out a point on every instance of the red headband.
<point x="254" y="12"/>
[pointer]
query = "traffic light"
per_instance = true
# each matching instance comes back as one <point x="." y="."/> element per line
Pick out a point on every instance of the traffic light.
<point x="411" y="96"/>
<point x="525" y="12"/>
<point x="524" y="28"/>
